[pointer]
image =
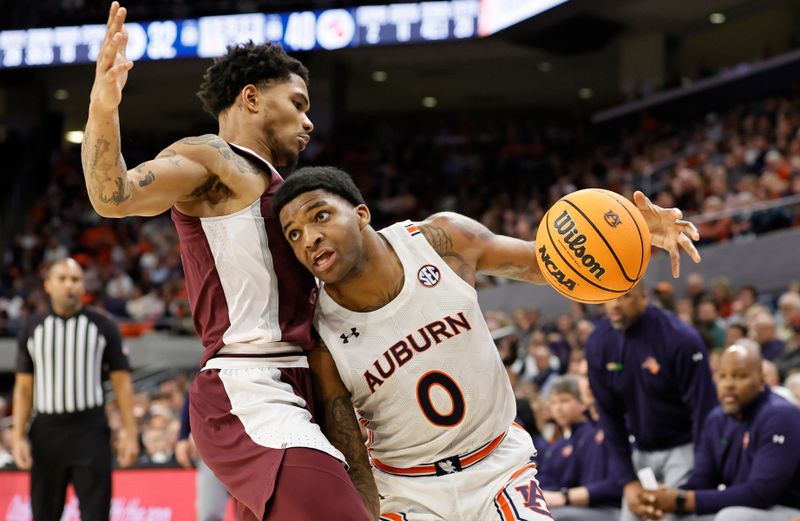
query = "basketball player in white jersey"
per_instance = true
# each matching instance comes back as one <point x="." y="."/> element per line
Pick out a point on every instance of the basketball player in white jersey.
<point x="252" y="302"/>
<point x="407" y="343"/>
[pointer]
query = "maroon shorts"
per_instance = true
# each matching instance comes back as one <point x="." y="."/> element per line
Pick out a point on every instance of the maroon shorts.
<point x="295" y="483"/>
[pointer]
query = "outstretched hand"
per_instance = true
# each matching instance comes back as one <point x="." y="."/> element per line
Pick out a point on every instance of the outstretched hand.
<point x="112" y="63"/>
<point x="669" y="231"/>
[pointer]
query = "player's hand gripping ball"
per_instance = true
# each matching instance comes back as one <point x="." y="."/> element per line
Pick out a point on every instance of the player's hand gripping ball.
<point x="593" y="246"/>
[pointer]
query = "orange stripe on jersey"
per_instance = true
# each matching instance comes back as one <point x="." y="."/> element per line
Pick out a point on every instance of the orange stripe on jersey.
<point x="518" y="426"/>
<point x="506" y="514"/>
<point x="517" y="473"/>
<point x="422" y="469"/>
<point x="474" y="458"/>
<point x="392" y="517"/>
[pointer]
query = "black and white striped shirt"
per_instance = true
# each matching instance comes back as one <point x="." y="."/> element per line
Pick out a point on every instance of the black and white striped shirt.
<point x="68" y="357"/>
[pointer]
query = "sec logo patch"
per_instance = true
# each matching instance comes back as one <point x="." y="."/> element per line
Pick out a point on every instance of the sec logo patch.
<point x="429" y="275"/>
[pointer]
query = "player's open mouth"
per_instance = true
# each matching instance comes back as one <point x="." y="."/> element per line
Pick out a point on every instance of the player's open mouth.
<point x="323" y="260"/>
<point x="729" y="398"/>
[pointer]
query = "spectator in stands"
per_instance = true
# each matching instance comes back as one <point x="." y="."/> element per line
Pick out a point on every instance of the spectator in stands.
<point x="574" y="471"/>
<point x="787" y="316"/>
<point x="771" y="377"/>
<point x="764" y="334"/>
<point x="650" y="376"/>
<point x="733" y="332"/>
<point x="748" y="465"/>
<point x="709" y="325"/>
<point x="793" y="384"/>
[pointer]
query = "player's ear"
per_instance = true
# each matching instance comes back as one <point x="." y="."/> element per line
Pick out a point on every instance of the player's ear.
<point x="248" y="97"/>
<point x="363" y="215"/>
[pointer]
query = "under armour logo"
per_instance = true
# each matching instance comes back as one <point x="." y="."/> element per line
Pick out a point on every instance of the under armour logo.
<point x="697" y="357"/>
<point x="446" y="466"/>
<point x="778" y="438"/>
<point x="346" y="337"/>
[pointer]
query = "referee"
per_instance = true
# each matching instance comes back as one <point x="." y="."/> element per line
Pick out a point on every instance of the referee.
<point x="62" y="356"/>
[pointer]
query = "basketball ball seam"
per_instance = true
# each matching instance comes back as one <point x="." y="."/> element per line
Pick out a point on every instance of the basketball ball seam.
<point x="600" y="234"/>
<point x="555" y="248"/>
<point x="614" y="196"/>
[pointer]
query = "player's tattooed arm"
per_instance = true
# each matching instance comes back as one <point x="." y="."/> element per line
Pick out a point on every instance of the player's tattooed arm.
<point x="469" y="247"/>
<point x="339" y="423"/>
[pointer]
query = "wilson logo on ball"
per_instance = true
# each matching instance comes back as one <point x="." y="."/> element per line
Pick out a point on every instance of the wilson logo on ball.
<point x="573" y="238"/>
<point x="429" y="275"/>
<point x="554" y="270"/>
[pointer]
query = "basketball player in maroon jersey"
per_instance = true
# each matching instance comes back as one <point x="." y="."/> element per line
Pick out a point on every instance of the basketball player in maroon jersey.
<point x="252" y="302"/>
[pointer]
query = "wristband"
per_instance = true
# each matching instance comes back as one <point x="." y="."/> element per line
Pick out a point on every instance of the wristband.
<point x="680" y="502"/>
<point x="565" y="493"/>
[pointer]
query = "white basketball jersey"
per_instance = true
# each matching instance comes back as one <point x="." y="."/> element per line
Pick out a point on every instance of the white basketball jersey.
<point x="423" y="371"/>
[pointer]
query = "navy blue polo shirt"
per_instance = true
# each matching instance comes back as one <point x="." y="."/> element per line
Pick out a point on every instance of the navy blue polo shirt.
<point x="580" y="461"/>
<point x="757" y="459"/>
<point x="651" y="380"/>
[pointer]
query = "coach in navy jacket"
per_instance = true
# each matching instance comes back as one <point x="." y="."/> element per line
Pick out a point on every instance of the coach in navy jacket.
<point x="573" y="471"/>
<point x="651" y="379"/>
<point x="749" y="451"/>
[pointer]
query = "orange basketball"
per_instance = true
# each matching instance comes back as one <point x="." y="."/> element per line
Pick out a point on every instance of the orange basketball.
<point x="593" y="245"/>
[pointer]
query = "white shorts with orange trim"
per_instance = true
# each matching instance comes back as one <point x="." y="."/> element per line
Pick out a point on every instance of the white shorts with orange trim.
<point x="502" y="487"/>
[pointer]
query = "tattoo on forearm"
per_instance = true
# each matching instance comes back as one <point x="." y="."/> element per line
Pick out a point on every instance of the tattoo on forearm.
<point x="100" y="170"/>
<point x="344" y="432"/>
<point x="517" y="271"/>
<point x="120" y="195"/>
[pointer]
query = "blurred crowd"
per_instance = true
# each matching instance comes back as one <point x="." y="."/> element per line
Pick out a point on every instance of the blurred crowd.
<point x="536" y="352"/>
<point x="158" y="414"/>
<point x="504" y="172"/>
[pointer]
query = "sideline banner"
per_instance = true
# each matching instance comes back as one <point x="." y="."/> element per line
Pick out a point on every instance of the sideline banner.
<point x="139" y="495"/>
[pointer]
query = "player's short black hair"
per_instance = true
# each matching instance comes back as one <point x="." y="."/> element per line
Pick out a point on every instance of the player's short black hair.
<point x="242" y="65"/>
<point x="310" y="178"/>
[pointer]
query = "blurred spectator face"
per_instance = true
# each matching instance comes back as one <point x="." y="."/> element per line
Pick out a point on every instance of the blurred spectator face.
<point x="541" y="354"/>
<point x="706" y="312"/>
<point x="720" y="290"/>
<point x="64" y="284"/>
<point x="684" y="309"/>
<point x="586" y="391"/>
<point x="696" y="284"/>
<point x="583" y="329"/>
<point x="564" y="324"/>
<point x="789" y="307"/>
<point x="740" y="378"/>
<point x="746" y="298"/>
<point x="577" y="363"/>
<point x="764" y="328"/>
<point x="793" y="384"/>
<point x="626" y="310"/>
<point x="566" y="409"/>
<point x="733" y="333"/>
<point x="771" y="377"/>
<point x="157" y="446"/>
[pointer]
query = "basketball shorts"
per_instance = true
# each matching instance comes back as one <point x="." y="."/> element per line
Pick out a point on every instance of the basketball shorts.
<point x="502" y="486"/>
<point x="244" y="414"/>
